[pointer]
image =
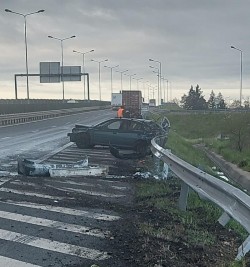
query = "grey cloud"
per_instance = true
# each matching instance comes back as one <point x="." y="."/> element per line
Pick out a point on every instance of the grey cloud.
<point x="191" y="38"/>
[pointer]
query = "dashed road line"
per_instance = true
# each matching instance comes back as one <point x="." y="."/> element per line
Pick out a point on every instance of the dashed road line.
<point x="43" y="243"/>
<point x="69" y="211"/>
<point x="87" y="192"/>
<point x="4" y="180"/>
<point x="53" y="224"/>
<point x="25" y="193"/>
<point x="9" y="262"/>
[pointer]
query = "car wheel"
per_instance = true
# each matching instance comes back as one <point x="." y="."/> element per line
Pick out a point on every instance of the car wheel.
<point x="83" y="140"/>
<point x="142" y="148"/>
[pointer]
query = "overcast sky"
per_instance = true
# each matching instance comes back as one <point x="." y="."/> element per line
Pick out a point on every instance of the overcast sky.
<point x="191" y="39"/>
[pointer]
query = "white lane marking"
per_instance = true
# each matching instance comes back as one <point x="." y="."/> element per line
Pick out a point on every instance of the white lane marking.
<point x="4" y="180"/>
<point x="22" y="192"/>
<point x="64" y="189"/>
<point x="53" y="224"/>
<point x="69" y="182"/>
<point x="8" y="262"/>
<point x="91" y="193"/>
<point x="7" y="137"/>
<point x="119" y="187"/>
<point x="88" y="214"/>
<point x="53" y="152"/>
<point x="83" y="252"/>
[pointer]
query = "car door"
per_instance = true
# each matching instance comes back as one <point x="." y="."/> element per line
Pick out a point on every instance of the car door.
<point x="129" y="133"/>
<point x="106" y="133"/>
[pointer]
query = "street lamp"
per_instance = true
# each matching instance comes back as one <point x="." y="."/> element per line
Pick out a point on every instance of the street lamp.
<point x="83" y="66"/>
<point x="153" y="88"/>
<point x="158" y="75"/>
<point x="25" y="40"/>
<point x="144" y="90"/>
<point x="165" y="88"/>
<point x="138" y="82"/>
<point x="61" y="40"/>
<point x="99" y="63"/>
<point x="111" y="77"/>
<point x="130" y="77"/>
<point x="240" y="72"/>
<point x="121" y="75"/>
<point x="159" y="92"/>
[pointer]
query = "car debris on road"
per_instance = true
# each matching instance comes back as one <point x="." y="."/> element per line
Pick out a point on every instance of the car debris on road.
<point x="80" y="168"/>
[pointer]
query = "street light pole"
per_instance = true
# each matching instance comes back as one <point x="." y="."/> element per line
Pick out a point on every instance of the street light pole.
<point x="159" y="93"/>
<point x="83" y="68"/>
<point x="61" y="40"/>
<point x="111" y="76"/>
<point x="152" y="88"/>
<point x="25" y="40"/>
<point x="99" y="64"/>
<point x="130" y="80"/>
<point x="144" y="90"/>
<point x="158" y="75"/>
<point x="121" y="72"/>
<point x="165" y="89"/>
<point x="233" y="47"/>
<point x="138" y="82"/>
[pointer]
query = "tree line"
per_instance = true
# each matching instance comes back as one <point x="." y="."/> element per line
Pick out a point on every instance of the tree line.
<point x="196" y="101"/>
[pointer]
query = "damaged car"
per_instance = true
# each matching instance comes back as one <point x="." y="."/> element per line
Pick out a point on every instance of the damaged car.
<point x="124" y="133"/>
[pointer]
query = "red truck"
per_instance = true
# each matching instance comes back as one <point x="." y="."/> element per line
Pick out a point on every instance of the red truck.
<point x="132" y="102"/>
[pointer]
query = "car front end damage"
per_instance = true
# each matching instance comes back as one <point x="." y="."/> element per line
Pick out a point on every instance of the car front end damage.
<point x="75" y="132"/>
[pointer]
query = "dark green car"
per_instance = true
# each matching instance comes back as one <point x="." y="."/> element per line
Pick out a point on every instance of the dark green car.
<point x="125" y="133"/>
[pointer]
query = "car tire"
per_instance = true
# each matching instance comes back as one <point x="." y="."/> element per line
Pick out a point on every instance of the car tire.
<point x="83" y="140"/>
<point x="141" y="148"/>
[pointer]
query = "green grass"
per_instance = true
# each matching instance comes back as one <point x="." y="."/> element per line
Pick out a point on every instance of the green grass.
<point x="163" y="195"/>
<point x="192" y="225"/>
<point x="187" y="131"/>
<point x="206" y="128"/>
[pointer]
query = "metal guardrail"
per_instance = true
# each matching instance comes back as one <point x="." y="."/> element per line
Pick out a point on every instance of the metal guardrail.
<point x="17" y="118"/>
<point x="234" y="202"/>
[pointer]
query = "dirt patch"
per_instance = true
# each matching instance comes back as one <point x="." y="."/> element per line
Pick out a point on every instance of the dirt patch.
<point x="153" y="236"/>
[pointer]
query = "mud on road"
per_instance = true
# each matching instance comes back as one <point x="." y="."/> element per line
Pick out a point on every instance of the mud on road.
<point x="147" y="229"/>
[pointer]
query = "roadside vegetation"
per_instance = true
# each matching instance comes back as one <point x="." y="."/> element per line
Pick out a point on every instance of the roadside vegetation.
<point x="194" y="238"/>
<point x="226" y="133"/>
<point x="171" y="237"/>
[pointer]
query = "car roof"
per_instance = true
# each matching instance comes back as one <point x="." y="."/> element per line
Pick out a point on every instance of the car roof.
<point x="128" y="119"/>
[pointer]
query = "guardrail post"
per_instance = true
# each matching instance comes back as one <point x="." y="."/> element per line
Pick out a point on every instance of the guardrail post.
<point x="165" y="171"/>
<point x="160" y="169"/>
<point x="157" y="167"/>
<point x="224" y="219"/>
<point x="243" y="249"/>
<point x="183" y="196"/>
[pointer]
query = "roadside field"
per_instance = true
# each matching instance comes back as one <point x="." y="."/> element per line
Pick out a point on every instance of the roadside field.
<point x="225" y="133"/>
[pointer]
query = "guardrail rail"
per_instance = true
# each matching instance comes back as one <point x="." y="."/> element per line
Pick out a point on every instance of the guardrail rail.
<point x="234" y="202"/>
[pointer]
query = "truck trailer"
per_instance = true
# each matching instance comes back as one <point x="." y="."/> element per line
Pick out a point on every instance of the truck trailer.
<point x="116" y="100"/>
<point x="132" y="102"/>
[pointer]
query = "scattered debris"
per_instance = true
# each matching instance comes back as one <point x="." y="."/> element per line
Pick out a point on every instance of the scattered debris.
<point x="6" y="173"/>
<point x="141" y="175"/>
<point x="31" y="168"/>
<point x="220" y="173"/>
<point x="117" y="153"/>
<point x="85" y="171"/>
